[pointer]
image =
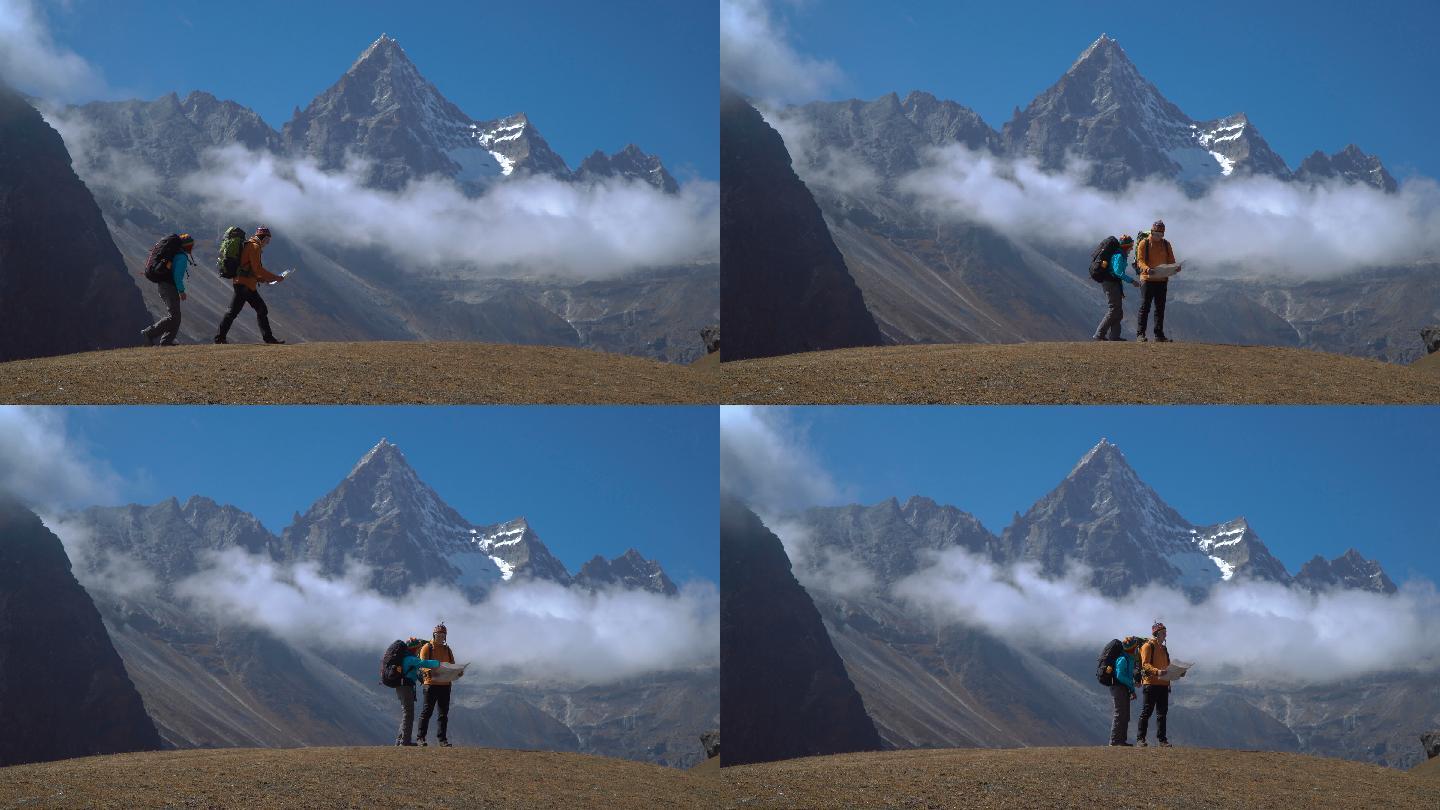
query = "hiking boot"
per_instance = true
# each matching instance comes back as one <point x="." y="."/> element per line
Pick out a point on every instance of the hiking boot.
<point x="273" y="339"/>
<point x="1121" y="745"/>
<point x="1120" y="339"/>
<point x="406" y="744"/>
<point x="1142" y="338"/>
<point x="1163" y="339"/>
<point x="1165" y="744"/>
<point x="420" y="741"/>
<point x="1097" y="337"/>
<point x="1141" y="742"/>
<point x="445" y="744"/>
<point x="221" y="339"/>
<point x="149" y="338"/>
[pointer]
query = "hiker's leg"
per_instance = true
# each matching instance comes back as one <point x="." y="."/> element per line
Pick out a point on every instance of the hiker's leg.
<point x="1147" y="293"/>
<point x="1148" y="693"/>
<point x="1110" y="325"/>
<point x="1162" y="708"/>
<point x="1160" y="308"/>
<point x="237" y="303"/>
<point x="1120" y="718"/>
<point x="171" y="296"/>
<point x="161" y="326"/>
<point x="444" y="700"/>
<point x="426" y="712"/>
<point x="262" y="314"/>
<point x="406" y="692"/>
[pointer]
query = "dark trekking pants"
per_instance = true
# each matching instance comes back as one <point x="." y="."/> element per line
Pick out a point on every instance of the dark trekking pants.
<point x="244" y="295"/>
<point x="168" y="327"/>
<point x="438" y="694"/>
<point x="406" y="693"/>
<point x="1109" y="328"/>
<point x="1157" y="701"/>
<point x="1154" y="292"/>
<point x="1120" y="719"/>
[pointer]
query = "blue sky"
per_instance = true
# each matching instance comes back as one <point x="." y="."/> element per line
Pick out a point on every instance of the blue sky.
<point x="590" y="480"/>
<point x="590" y="75"/>
<point x="1310" y="76"/>
<point x="1310" y="480"/>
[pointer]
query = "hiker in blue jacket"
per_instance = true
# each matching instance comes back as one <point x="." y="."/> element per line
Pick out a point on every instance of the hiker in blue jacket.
<point x="1109" y="328"/>
<point x="410" y="668"/>
<point x="1122" y="689"/>
<point x="172" y="292"/>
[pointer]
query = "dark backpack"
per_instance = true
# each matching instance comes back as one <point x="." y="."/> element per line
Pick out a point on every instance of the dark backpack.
<point x="228" y="265"/>
<point x="1108" y="655"/>
<point x="394" y="657"/>
<point x="1100" y="259"/>
<point x="162" y="253"/>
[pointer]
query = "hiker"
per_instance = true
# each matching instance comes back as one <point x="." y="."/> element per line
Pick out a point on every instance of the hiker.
<point x="167" y="265"/>
<point x="409" y="667"/>
<point x="1153" y="251"/>
<point x="1154" y="666"/>
<point x="246" y="283"/>
<point x="1122" y="689"/>
<point x="436" y="693"/>
<point x="1110" y="276"/>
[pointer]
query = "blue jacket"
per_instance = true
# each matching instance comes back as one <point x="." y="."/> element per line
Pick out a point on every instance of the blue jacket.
<point x="181" y="263"/>
<point x="1117" y="268"/>
<point x="1125" y="671"/>
<point x="413" y="663"/>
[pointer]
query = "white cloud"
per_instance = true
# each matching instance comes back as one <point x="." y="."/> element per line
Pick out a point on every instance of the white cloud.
<point x="1246" y="631"/>
<point x="526" y="630"/>
<point x="533" y="225"/>
<point x="764" y="461"/>
<point x="43" y="465"/>
<point x="97" y="569"/>
<point x="1248" y="226"/>
<point x="757" y="59"/>
<point x="32" y="61"/>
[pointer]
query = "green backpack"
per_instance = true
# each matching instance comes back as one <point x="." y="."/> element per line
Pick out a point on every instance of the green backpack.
<point x="228" y="265"/>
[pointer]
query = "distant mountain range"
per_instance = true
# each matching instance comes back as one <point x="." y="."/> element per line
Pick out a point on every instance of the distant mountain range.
<point x="383" y="111"/>
<point x="930" y="279"/>
<point x="929" y="683"/>
<point x="208" y="682"/>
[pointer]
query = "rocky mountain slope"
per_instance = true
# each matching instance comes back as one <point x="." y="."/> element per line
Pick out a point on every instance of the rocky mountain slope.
<point x="58" y="659"/>
<point x="138" y="158"/>
<point x="209" y="682"/>
<point x="63" y="285"/>
<point x="785" y="287"/>
<point x="785" y="690"/>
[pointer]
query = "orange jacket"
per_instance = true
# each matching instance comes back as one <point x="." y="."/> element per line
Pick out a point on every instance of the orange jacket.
<point x="1153" y="658"/>
<point x="252" y="271"/>
<point x="1153" y="253"/>
<point x="435" y="651"/>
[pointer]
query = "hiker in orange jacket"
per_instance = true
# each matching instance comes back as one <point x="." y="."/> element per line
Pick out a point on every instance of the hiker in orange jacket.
<point x="246" y="287"/>
<point x="1153" y="251"/>
<point x="1154" y="666"/>
<point x="436" y="693"/>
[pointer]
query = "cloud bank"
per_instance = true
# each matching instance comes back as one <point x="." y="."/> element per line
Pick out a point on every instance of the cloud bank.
<point x="32" y="61"/>
<point x="44" y="466"/>
<point x="535" y="225"/>
<point x="757" y="58"/>
<point x="1247" y="631"/>
<point x="1250" y="227"/>
<point x="525" y="630"/>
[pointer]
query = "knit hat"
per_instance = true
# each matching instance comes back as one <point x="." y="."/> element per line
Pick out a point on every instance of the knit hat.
<point x="187" y="239"/>
<point x="1126" y="240"/>
<point x="1158" y="226"/>
<point x="262" y="232"/>
<point x="1157" y="626"/>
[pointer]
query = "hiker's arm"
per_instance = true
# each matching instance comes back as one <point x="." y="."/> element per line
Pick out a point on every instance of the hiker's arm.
<point x="1117" y="268"/>
<point x="1145" y="656"/>
<point x="263" y="274"/>
<point x="181" y="263"/>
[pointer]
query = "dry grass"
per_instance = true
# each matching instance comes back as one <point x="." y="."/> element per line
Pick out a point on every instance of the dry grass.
<point x="351" y="373"/>
<point x="1075" y="777"/>
<point x="1430" y="363"/>
<point x="1430" y="769"/>
<point x="354" y="777"/>
<point x="1074" y="373"/>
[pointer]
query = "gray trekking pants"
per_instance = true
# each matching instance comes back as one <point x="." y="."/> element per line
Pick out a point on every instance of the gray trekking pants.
<point x="406" y="693"/>
<point x="1109" y="328"/>
<point x="1120" y="718"/>
<point x="168" y="327"/>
